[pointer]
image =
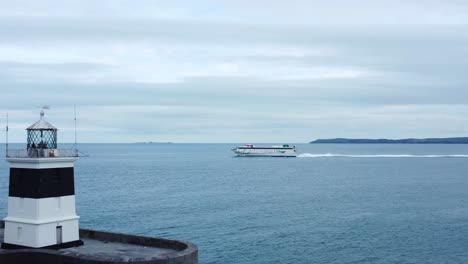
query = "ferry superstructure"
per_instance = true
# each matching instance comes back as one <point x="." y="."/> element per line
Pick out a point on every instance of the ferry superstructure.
<point x="250" y="150"/>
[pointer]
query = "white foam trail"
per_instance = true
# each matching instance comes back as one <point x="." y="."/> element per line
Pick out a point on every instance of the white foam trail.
<point x="310" y="155"/>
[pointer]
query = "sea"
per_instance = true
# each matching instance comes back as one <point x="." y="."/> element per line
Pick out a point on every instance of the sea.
<point x="334" y="203"/>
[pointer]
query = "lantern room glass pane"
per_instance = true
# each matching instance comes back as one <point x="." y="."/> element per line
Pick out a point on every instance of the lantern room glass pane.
<point x="46" y="139"/>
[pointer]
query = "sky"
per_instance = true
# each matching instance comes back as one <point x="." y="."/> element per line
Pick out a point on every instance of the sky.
<point x="235" y="71"/>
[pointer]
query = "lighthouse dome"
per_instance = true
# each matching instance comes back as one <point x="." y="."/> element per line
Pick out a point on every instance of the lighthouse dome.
<point x="41" y="124"/>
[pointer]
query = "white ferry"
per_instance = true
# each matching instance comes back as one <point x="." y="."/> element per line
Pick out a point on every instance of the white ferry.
<point x="250" y="150"/>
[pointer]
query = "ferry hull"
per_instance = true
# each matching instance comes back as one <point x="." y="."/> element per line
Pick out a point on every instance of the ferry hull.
<point x="266" y="155"/>
<point x="290" y="153"/>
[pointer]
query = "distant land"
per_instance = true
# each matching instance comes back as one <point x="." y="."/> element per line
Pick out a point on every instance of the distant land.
<point x="455" y="140"/>
<point x="151" y="142"/>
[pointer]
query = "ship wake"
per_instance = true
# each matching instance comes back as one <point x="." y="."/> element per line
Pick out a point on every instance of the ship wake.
<point x="331" y="155"/>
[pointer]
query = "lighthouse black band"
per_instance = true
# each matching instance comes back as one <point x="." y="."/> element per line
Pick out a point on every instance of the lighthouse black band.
<point x="41" y="183"/>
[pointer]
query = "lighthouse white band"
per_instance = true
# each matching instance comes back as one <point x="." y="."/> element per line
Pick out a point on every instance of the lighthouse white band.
<point x="39" y="210"/>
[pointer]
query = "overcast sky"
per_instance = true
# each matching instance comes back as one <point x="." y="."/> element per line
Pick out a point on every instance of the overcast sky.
<point x="235" y="71"/>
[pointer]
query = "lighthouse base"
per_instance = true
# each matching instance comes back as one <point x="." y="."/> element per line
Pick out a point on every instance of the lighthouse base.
<point x="32" y="234"/>
<point x="70" y="244"/>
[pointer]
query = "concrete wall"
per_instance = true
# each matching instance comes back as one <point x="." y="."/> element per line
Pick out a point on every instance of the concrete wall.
<point x="45" y="256"/>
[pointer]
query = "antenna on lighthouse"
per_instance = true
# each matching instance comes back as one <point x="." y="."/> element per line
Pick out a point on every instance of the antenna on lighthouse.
<point x="76" y="146"/>
<point x="6" y="141"/>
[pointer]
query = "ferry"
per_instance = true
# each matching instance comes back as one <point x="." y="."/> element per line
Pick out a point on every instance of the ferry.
<point x="250" y="150"/>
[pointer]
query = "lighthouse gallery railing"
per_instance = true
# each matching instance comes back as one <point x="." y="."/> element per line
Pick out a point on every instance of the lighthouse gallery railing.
<point x="41" y="153"/>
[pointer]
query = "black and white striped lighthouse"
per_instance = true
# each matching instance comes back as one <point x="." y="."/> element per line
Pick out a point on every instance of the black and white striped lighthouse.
<point x="41" y="198"/>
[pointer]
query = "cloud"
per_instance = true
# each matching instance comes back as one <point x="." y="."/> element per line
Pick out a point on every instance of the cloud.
<point x="235" y="71"/>
<point x="256" y="12"/>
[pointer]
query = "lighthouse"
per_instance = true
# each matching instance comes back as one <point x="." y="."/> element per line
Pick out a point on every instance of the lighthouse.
<point x="41" y="197"/>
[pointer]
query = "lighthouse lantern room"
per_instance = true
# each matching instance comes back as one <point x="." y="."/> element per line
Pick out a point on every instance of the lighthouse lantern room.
<point x="42" y="134"/>
<point x="41" y="197"/>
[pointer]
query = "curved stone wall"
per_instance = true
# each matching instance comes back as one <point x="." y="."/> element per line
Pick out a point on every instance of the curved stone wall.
<point x="174" y="251"/>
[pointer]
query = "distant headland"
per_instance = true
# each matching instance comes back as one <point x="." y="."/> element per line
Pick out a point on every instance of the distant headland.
<point x="455" y="140"/>
<point x="151" y="142"/>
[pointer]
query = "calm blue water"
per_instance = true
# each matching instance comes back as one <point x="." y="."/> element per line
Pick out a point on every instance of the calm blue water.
<point x="354" y="208"/>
